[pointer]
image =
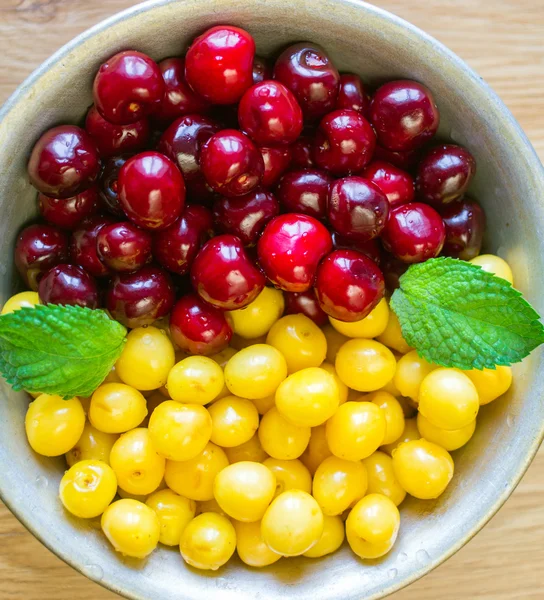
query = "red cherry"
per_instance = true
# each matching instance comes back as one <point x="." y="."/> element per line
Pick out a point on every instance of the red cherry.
<point x="396" y="184"/>
<point x="68" y="285"/>
<point x="302" y="153"/>
<point x="353" y="95"/>
<point x="245" y="216"/>
<point x="219" y="64"/>
<point x="64" y="162"/>
<point x="176" y="247"/>
<point x="371" y="248"/>
<point x="307" y="304"/>
<point x="414" y="232"/>
<point x="344" y="143"/>
<point x="261" y="70"/>
<point x="123" y="247"/>
<point x="348" y="285"/>
<point x="128" y="87"/>
<point x="151" y="190"/>
<point x="67" y="213"/>
<point x="465" y="226"/>
<point x="403" y="160"/>
<point x="109" y="185"/>
<point x="197" y="327"/>
<point x="224" y="276"/>
<point x="231" y="163"/>
<point x="357" y="209"/>
<point x="269" y="113"/>
<point x="290" y="249"/>
<point x="83" y="249"/>
<point x="276" y="161"/>
<point x="305" y="191"/>
<point x="444" y="174"/>
<point x="38" y="248"/>
<point x="138" y="299"/>
<point x="404" y="115"/>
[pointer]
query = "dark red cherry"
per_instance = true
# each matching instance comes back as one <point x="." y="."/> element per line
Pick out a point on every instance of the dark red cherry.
<point x="111" y="139"/>
<point x="179" y="99"/>
<point x="223" y="274"/>
<point x="182" y="142"/>
<point x="245" y="216"/>
<point x="67" y="213"/>
<point x="269" y="113"/>
<point x="198" y="328"/>
<point x="109" y="185"/>
<point x="83" y="249"/>
<point x="305" y="191"/>
<point x="353" y="95"/>
<point x="68" y="284"/>
<point x="309" y="73"/>
<point x="444" y="174"/>
<point x="396" y="184"/>
<point x="404" y="115"/>
<point x="138" y="299"/>
<point x="465" y="226"/>
<point x="231" y="163"/>
<point x="302" y="153"/>
<point x="414" y="232"/>
<point x="348" y="285"/>
<point x="151" y="190"/>
<point x="128" y="87"/>
<point x="357" y="208"/>
<point x="371" y="248"/>
<point x="276" y="161"/>
<point x="219" y="64"/>
<point x="176" y="247"/>
<point x="393" y="269"/>
<point x="290" y="249"/>
<point x="262" y="70"/>
<point x="64" y="162"/>
<point x="38" y="248"/>
<point x="123" y="247"/>
<point x="344" y="142"/>
<point x="307" y="304"/>
<point x="403" y="160"/>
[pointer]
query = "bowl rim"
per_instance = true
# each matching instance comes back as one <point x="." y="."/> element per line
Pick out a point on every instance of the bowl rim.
<point x="531" y="156"/>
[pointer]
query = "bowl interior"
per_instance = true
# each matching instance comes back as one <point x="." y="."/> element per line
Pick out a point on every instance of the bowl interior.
<point x="509" y="184"/>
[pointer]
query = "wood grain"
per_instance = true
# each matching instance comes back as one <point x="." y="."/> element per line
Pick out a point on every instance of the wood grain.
<point x="503" y="41"/>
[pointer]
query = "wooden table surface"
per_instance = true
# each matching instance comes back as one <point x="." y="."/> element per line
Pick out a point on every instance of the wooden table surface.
<point x="503" y="41"/>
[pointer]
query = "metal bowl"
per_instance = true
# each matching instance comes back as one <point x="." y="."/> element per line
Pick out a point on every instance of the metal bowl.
<point x="509" y="183"/>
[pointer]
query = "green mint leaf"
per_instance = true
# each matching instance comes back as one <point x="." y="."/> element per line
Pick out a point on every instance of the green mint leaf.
<point x="63" y="350"/>
<point x="457" y="315"/>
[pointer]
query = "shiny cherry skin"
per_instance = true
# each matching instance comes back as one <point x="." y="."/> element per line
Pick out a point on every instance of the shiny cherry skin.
<point x="67" y="213"/>
<point x="128" y="87"/>
<point x="176" y="247"/>
<point x="111" y="139"/>
<point x="83" y="246"/>
<point x="353" y="95"/>
<point x="198" y="328"/>
<point x="223" y="274"/>
<point x="139" y="298"/>
<point x="414" y="232"/>
<point x="370" y="248"/>
<point x="38" y="248"/>
<point x="151" y="190"/>
<point x="305" y="303"/>
<point x="348" y="285"/>
<point x="109" y="185"/>
<point x="396" y="184"/>
<point x="231" y="163"/>
<point x="357" y="208"/>
<point x="219" y="64"/>
<point x="404" y="115"/>
<point x="182" y="142"/>
<point x="68" y="284"/>
<point x="290" y="249"/>
<point x="305" y="191"/>
<point x="123" y="247"/>
<point x="246" y="216"/>
<point x="309" y="73"/>
<point x="403" y="160"/>
<point x="393" y="269"/>
<point x="344" y="143"/>
<point x="302" y="153"/>
<point x="465" y="226"/>
<point x="262" y="70"/>
<point x="269" y="113"/>
<point x="179" y="99"/>
<point x="64" y="162"/>
<point x="276" y="161"/>
<point x="444" y="174"/>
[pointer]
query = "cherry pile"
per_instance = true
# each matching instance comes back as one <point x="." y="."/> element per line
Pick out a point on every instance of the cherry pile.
<point x="197" y="181"/>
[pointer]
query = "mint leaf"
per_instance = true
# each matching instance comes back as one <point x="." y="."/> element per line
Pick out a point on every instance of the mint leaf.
<point x="64" y="350"/>
<point x="457" y="315"/>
